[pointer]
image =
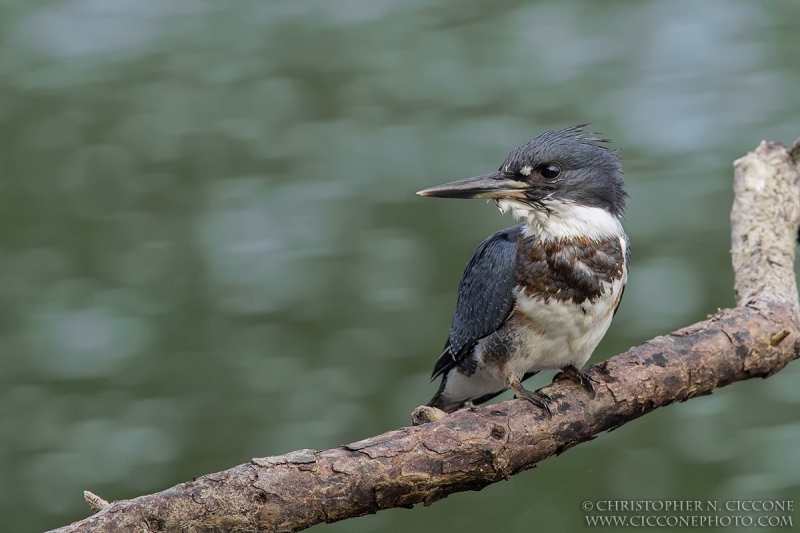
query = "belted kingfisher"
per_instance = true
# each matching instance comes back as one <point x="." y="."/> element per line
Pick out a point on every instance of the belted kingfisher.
<point x="539" y="295"/>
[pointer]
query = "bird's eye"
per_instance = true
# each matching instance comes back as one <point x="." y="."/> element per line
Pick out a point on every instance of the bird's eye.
<point x="551" y="172"/>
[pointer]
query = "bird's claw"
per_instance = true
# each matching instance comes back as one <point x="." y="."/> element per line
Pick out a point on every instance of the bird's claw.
<point x="581" y="378"/>
<point x="546" y="397"/>
<point x="537" y="398"/>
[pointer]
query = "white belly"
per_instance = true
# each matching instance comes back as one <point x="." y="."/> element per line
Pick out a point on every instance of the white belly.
<point x="561" y="333"/>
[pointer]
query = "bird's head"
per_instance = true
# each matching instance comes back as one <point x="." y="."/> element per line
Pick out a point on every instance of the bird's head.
<point x="556" y="171"/>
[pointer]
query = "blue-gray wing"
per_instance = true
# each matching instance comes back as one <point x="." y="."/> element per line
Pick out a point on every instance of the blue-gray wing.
<point x="485" y="296"/>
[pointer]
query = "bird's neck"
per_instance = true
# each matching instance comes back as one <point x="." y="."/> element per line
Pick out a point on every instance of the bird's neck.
<point x="564" y="220"/>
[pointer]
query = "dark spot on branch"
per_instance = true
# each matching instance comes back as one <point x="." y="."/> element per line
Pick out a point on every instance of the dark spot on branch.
<point x="614" y="421"/>
<point x="741" y="351"/>
<point x="672" y="381"/>
<point x="571" y="431"/>
<point x="498" y="431"/>
<point x="155" y="523"/>
<point x="658" y="359"/>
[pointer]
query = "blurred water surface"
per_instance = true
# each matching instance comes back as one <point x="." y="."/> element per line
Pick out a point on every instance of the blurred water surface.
<point x="211" y="250"/>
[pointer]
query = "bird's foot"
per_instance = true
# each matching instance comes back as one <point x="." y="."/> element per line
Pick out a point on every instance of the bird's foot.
<point x="537" y="398"/>
<point x="581" y="378"/>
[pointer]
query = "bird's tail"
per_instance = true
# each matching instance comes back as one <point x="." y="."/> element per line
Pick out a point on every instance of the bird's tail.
<point x="443" y="402"/>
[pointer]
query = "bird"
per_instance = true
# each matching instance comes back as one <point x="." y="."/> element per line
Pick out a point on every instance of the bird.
<point x="541" y="294"/>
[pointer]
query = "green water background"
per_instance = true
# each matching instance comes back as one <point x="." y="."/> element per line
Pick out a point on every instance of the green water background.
<point x="211" y="250"/>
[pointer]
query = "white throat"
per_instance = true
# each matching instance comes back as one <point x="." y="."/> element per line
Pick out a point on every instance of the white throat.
<point x="565" y="220"/>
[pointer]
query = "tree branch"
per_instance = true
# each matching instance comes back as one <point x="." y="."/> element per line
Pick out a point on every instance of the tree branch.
<point x="475" y="447"/>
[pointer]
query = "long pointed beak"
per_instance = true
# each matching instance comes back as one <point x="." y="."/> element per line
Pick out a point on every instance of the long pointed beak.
<point x="488" y="186"/>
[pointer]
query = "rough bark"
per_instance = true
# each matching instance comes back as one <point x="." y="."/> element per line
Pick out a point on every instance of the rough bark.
<point x="475" y="447"/>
